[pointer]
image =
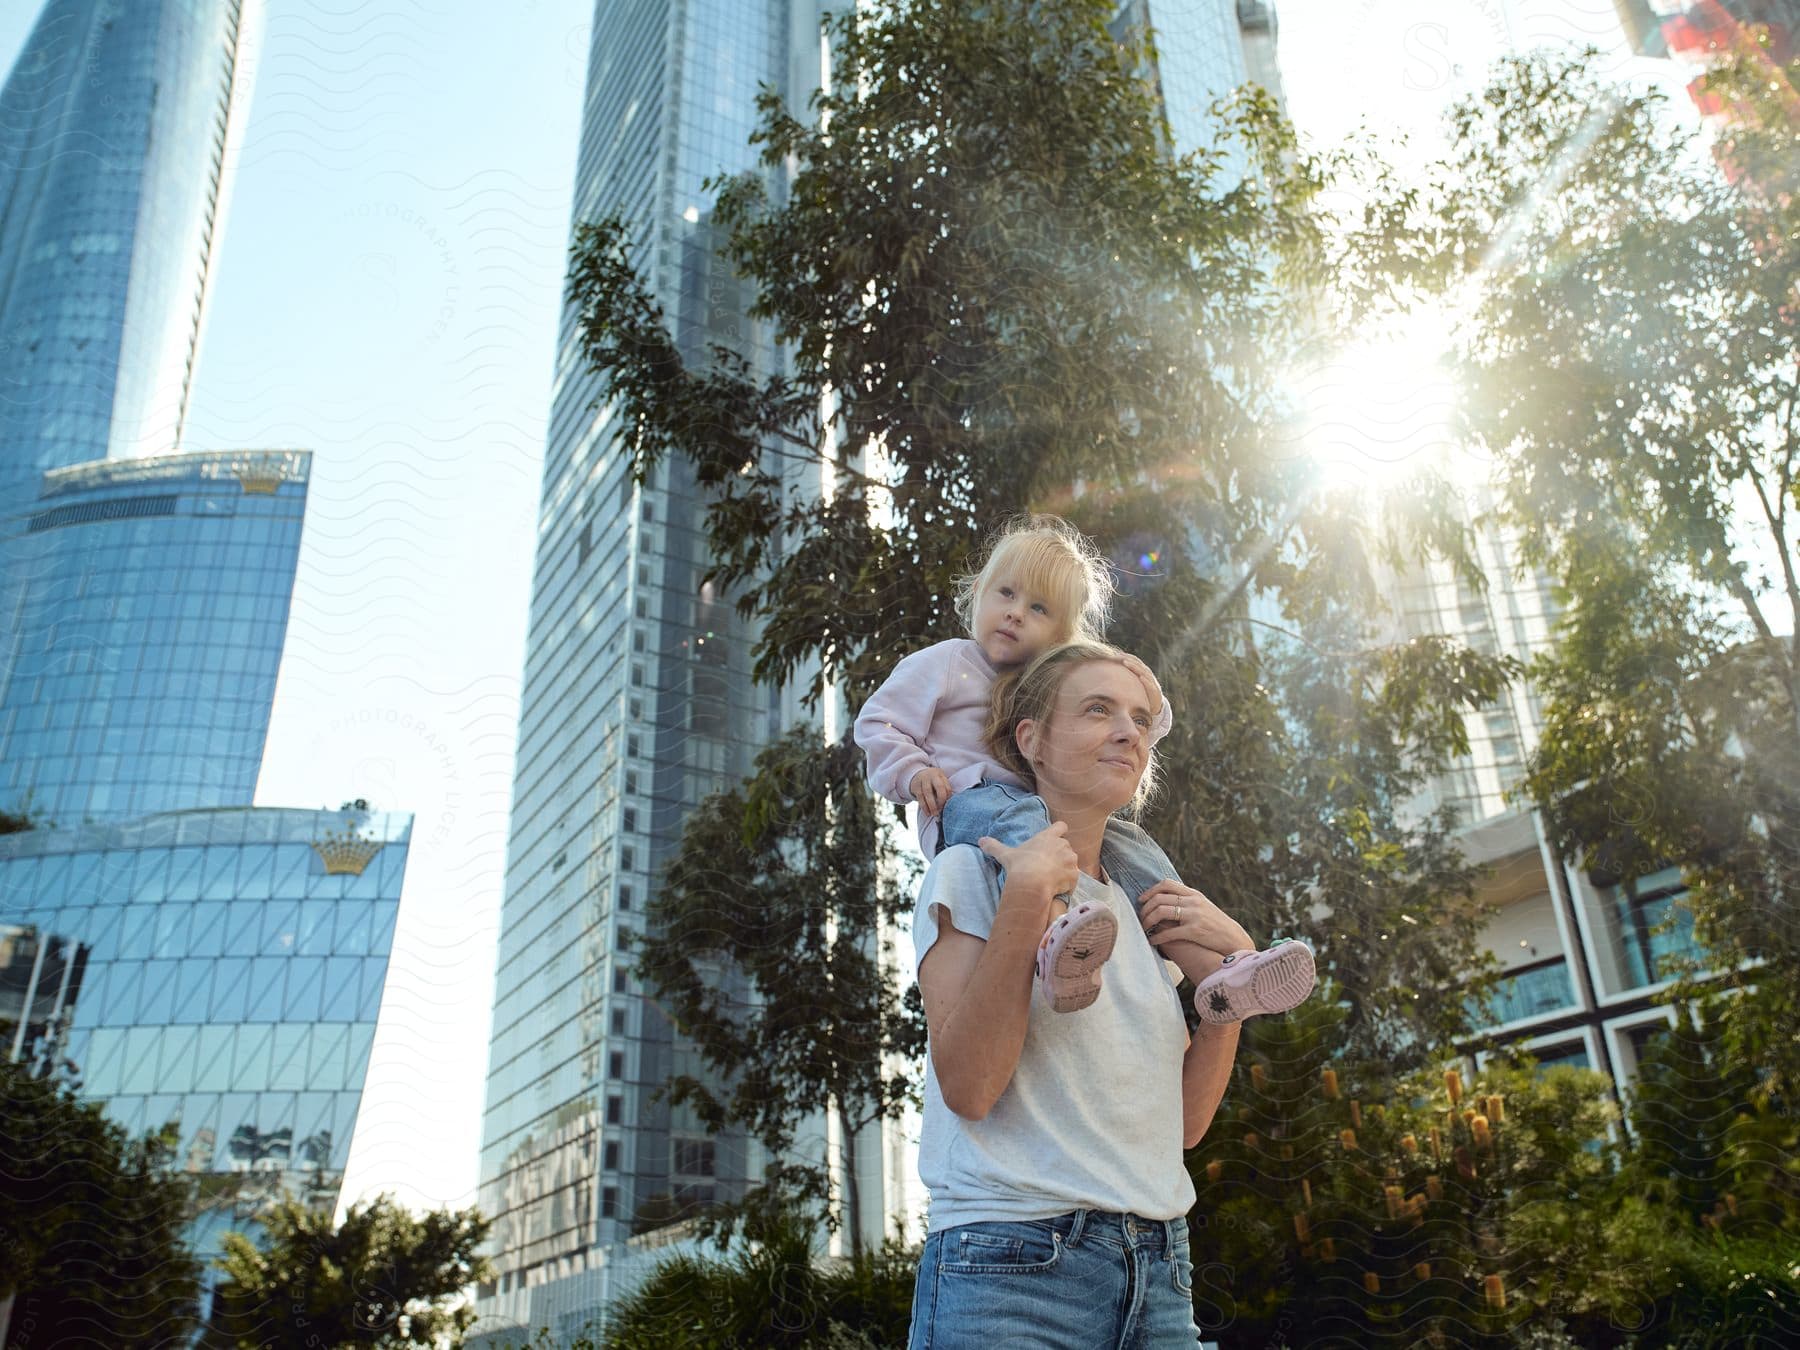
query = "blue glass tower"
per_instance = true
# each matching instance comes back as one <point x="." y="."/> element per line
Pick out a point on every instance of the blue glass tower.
<point x="1204" y="49"/>
<point x="116" y="126"/>
<point x="637" y="700"/>
<point x="150" y="606"/>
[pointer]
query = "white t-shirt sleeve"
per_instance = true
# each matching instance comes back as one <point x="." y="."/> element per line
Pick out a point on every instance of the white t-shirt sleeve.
<point x="961" y="882"/>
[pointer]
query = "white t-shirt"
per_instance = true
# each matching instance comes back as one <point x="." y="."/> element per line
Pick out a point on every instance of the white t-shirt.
<point x="1091" y="1118"/>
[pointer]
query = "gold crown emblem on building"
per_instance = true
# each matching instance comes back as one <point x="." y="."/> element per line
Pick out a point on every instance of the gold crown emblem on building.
<point x="262" y="481"/>
<point x="345" y="852"/>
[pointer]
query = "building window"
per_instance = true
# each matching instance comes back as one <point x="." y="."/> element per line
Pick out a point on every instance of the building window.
<point x="633" y="746"/>
<point x="693" y="1157"/>
<point x="631" y="780"/>
<point x="619" y="982"/>
<point x="1657" y="926"/>
<point x="615" y="1110"/>
<point x="631" y="819"/>
<point x="609" y="1202"/>
<point x="609" y="1155"/>
<point x="627" y="858"/>
<point x="624" y="897"/>
<point x="1574" y="1055"/>
<point x="1540" y="987"/>
<point x="708" y="688"/>
<point x="1643" y="1040"/>
<point x="637" y="642"/>
<point x="618" y="1021"/>
<point x="615" y="1064"/>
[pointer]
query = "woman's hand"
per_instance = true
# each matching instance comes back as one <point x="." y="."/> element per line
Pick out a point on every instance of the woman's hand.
<point x="1044" y="865"/>
<point x="1185" y="915"/>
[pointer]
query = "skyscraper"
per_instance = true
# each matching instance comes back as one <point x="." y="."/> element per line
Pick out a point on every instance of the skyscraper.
<point x="215" y="965"/>
<point x="153" y="600"/>
<point x="1199" y="58"/>
<point x="637" y="700"/>
<point x="116" y="126"/>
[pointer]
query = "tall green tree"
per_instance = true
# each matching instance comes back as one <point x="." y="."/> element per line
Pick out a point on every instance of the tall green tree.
<point x="997" y="290"/>
<point x="92" y="1223"/>
<point x="1631" y="325"/>
<point x="789" y="886"/>
<point x="384" y="1277"/>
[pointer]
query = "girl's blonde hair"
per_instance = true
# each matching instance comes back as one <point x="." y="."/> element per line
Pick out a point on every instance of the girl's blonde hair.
<point x="1050" y="557"/>
<point x="1029" y="695"/>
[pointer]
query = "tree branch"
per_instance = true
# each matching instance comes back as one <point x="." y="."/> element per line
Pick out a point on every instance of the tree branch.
<point x="1774" y="517"/>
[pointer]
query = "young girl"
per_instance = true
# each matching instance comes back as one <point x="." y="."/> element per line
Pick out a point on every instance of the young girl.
<point x="1042" y="585"/>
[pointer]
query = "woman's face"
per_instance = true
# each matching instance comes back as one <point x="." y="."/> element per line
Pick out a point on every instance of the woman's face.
<point x="1095" y="746"/>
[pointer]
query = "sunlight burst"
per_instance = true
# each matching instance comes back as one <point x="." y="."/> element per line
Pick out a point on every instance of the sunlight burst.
<point x="1381" y="409"/>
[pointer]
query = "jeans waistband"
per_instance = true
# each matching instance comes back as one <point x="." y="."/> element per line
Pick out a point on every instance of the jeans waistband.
<point x="1130" y="1230"/>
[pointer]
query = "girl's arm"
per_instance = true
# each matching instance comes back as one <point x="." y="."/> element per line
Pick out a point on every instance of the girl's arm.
<point x="894" y="724"/>
<point x="1162" y="720"/>
<point x="978" y="992"/>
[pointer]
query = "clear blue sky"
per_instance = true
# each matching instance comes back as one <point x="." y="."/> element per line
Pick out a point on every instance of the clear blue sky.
<point x="387" y="297"/>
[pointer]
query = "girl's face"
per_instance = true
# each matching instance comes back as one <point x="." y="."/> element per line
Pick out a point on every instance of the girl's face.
<point x="1014" y="624"/>
<point x="1095" y="746"/>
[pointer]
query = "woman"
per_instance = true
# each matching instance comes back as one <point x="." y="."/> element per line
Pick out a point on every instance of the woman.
<point x="1052" y="1143"/>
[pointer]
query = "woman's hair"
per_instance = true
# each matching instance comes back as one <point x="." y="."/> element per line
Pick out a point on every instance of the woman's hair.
<point x="1029" y="694"/>
<point x="1050" y="557"/>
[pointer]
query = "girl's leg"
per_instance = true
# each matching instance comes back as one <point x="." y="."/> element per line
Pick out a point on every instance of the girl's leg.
<point x="997" y="810"/>
<point x="1133" y="859"/>
<point x="1079" y="940"/>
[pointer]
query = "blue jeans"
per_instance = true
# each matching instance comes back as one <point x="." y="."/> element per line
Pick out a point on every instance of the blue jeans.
<point x="1012" y="815"/>
<point x="1081" y="1281"/>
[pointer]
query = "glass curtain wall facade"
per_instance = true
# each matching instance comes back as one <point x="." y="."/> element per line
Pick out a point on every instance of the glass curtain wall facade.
<point x="229" y="973"/>
<point x="116" y="124"/>
<point x="637" y="701"/>
<point x="1200" y="58"/>
<point x="146" y="628"/>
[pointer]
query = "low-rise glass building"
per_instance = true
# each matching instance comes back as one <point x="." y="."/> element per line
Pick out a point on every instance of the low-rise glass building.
<point x="231" y="976"/>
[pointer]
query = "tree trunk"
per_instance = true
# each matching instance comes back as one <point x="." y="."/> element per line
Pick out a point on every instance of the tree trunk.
<point x="852" y="1184"/>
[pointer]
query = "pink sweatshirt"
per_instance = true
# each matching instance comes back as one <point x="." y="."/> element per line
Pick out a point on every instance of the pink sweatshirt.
<point x="929" y="714"/>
